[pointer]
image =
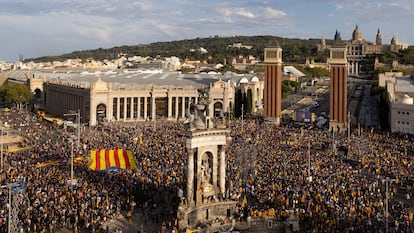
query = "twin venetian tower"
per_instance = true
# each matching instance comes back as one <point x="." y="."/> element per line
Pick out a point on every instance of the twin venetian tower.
<point x="338" y="84"/>
<point x="273" y="83"/>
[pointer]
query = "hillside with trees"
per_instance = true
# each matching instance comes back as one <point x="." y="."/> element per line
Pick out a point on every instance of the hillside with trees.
<point x="294" y="50"/>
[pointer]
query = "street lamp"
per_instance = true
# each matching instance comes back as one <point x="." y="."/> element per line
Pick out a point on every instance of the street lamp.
<point x="309" y="161"/>
<point x="12" y="222"/>
<point x="9" y="204"/>
<point x="1" y="165"/>
<point x="387" y="184"/>
<point x="77" y="114"/>
<point x="242" y="118"/>
<point x="71" y="166"/>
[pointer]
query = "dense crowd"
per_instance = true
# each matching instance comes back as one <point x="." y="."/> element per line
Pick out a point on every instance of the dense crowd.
<point x="279" y="169"/>
<point x="297" y="169"/>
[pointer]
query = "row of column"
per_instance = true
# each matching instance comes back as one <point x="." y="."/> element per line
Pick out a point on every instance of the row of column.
<point x="149" y="107"/>
<point x="62" y="102"/>
<point x="354" y="68"/>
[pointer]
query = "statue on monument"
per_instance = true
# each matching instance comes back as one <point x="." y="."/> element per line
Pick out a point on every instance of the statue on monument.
<point x="195" y="117"/>
<point x="206" y="184"/>
<point x="196" y="113"/>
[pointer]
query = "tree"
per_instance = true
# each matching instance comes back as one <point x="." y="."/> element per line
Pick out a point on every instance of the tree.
<point x="238" y="103"/>
<point x="249" y="104"/>
<point x="380" y="70"/>
<point x="15" y="93"/>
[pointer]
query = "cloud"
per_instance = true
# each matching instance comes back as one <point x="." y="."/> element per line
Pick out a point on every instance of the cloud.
<point x="244" y="13"/>
<point x="45" y="27"/>
<point x="273" y="13"/>
<point x="231" y="11"/>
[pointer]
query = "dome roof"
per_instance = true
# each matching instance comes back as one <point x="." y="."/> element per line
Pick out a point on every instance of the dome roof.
<point x="244" y="80"/>
<point x="394" y="40"/>
<point x="407" y="99"/>
<point x="357" y="35"/>
<point x="255" y="79"/>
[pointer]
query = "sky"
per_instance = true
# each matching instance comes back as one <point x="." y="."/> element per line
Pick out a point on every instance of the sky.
<point x="35" y="28"/>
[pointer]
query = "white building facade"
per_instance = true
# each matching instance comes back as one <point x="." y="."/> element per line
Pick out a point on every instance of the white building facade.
<point x="143" y="97"/>
<point x="400" y="90"/>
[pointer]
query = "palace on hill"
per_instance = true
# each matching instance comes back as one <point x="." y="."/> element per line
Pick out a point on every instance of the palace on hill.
<point x="358" y="48"/>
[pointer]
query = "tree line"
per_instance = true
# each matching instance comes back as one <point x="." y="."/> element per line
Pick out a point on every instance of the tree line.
<point x="295" y="51"/>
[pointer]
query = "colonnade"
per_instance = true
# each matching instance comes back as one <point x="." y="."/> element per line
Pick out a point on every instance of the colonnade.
<point x="143" y="108"/>
<point x="354" y="68"/>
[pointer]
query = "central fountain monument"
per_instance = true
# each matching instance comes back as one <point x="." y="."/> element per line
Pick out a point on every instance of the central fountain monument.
<point x="205" y="204"/>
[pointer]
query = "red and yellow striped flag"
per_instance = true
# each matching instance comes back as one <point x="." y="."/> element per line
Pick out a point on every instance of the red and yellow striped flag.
<point x="112" y="159"/>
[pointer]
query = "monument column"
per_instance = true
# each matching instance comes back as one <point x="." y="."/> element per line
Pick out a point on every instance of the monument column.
<point x="131" y="109"/>
<point x="118" y="108"/>
<point x="357" y="68"/>
<point x="182" y="107"/>
<point x="215" y="169"/>
<point x="190" y="175"/>
<point x="125" y="109"/>
<point x="153" y="107"/>
<point x="176" y="107"/>
<point x="145" y="108"/>
<point x="222" y="165"/>
<point x="169" y="106"/>
<point x="199" y="195"/>
<point x="139" y="108"/>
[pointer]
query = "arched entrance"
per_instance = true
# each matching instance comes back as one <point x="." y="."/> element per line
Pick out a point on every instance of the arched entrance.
<point x="218" y="109"/>
<point x="101" y="112"/>
<point x="207" y="174"/>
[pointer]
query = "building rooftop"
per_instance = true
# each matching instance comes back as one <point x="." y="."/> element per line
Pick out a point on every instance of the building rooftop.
<point x="404" y="84"/>
<point x="129" y="77"/>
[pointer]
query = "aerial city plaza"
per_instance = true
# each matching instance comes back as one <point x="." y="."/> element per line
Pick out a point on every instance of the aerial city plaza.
<point x="148" y="148"/>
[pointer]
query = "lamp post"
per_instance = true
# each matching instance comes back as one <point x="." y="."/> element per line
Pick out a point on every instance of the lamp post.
<point x="387" y="184"/>
<point x="77" y="114"/>
<point x="309" y="161"/>
<point x="9" y="205"/>
<point x="12" y="218"/>
<point x="242" y="118"/>
<point x="71" y="166"/>
<point x="1" y="165"/>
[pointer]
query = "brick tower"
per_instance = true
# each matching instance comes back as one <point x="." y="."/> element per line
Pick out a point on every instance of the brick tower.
<point x="273" y="83"/>
<point x="338" y="85"/>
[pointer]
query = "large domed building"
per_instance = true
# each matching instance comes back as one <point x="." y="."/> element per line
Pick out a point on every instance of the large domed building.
<point x="358" y="48"/>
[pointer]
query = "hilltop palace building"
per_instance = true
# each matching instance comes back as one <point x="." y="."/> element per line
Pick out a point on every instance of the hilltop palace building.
<point x="358" y="48"/>
<point x="127" y="96"/>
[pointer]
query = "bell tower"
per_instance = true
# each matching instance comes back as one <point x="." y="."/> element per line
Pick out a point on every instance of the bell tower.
<point x="338" y="85"/>
<point x="273" y="83"/>
<point x="378" y="40"/>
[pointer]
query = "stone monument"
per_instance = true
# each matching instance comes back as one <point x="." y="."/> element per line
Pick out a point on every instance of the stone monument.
<point x="204" y="200"/>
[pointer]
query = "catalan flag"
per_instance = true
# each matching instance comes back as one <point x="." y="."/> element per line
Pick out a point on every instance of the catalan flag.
<point x="112" y="159"/>
<point x="47" y="163"/>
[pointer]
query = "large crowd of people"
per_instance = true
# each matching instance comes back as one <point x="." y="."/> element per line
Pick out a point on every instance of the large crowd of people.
<point x="328" y="190"/>
<point x="279" y="170"/>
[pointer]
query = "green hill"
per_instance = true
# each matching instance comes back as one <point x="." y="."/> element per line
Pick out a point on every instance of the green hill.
<point x="294" y="50"/>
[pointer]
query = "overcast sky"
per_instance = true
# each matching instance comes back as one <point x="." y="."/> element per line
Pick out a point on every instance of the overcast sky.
<point x="35" y="28"/>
